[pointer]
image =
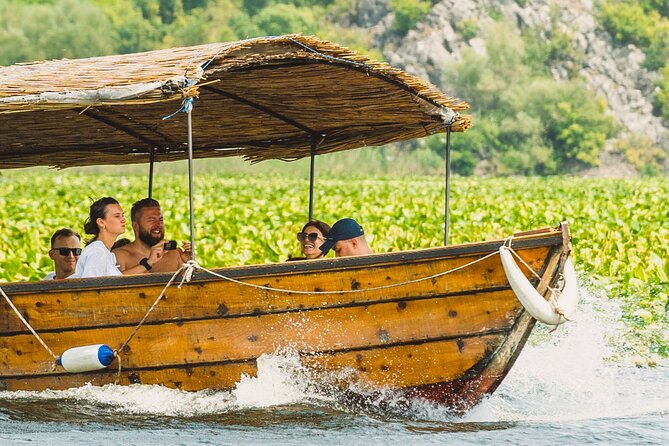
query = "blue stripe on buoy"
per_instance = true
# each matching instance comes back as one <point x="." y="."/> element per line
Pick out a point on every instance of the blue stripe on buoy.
<point x="105" y="355"/>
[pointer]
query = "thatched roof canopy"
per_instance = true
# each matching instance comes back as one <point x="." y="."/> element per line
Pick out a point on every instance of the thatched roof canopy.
<point x="263" y="98"/>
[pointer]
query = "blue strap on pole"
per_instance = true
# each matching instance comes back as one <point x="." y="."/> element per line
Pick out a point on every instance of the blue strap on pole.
<point x="186" y="106"/>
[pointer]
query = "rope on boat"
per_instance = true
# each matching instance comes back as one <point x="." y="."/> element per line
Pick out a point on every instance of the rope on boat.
<point x="32" y="330"/>
<point x="190" y="266"/>
<point x="187" y="268"/>
<point x="361" y="290"/>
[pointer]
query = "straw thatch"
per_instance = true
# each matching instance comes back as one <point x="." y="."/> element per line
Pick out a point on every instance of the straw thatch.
<point x="263" y="98"/>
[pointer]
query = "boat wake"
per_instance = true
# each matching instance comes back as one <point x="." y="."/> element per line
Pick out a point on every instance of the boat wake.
<point x="559" y="376"/>
<point x="571" y="374"/>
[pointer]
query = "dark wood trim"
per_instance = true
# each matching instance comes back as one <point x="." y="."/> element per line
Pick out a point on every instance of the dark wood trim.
<point x="91" y="114"/>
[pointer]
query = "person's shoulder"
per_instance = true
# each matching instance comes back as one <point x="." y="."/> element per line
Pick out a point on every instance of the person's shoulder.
<point x="50" y="276"/>
<point x="126" y="251"/>
<point x="123" y="250"/>
<point x="96" y="245"/>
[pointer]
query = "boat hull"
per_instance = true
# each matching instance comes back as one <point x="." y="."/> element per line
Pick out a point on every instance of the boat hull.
<point x="441" y="324"/>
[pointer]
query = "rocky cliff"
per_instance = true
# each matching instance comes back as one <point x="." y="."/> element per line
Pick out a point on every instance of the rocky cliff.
<point x="614" y="72"/>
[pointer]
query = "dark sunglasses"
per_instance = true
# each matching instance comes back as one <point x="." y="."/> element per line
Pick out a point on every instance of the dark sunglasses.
<point x="65" y="251"/>
<point x="312" y="236"/>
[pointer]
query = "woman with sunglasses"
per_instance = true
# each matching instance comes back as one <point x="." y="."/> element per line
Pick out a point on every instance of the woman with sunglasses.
<point x="106" y="221"/>
<point x="312" y="236"/>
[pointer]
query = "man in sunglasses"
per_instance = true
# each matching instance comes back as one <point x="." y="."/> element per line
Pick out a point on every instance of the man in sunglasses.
<point x="149" y="229"/>
<point x="65" y="251"/>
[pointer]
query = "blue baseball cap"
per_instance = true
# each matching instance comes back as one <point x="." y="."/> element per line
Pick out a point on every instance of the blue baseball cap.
<point x="344" y="229"/>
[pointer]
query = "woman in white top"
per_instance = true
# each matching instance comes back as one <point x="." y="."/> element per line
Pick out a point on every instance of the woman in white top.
<point x="106" y="222"/>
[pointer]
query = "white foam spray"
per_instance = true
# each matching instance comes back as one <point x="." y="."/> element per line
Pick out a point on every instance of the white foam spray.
<point x="281" y="380"/>
<point x="568" y="375"/>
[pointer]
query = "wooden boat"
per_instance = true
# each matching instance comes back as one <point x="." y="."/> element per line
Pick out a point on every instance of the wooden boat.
<point x="442" y="323"/>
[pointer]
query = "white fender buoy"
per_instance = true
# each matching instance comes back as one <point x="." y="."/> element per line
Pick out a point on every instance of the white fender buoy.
<point x="535" y="303"/>
<point x="86" y="358"/>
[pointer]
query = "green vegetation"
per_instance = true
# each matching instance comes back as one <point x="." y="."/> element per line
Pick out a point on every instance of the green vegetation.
<point x="49" y="29"/>
<point x="620" y="236"/>
<point x="408" y="13"/>
<point x="527" y="122"/>
<point x="644" y="24"/>
<point x="641" y="23"/>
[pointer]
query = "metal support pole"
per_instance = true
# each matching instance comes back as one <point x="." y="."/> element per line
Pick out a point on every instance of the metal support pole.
<point x="152" y="158"/>
<point x="447" y="215"/>
<point x="190" y="180"/>
<point x="311" y="179"/>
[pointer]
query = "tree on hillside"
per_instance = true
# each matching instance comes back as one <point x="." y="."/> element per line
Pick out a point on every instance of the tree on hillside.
<point x="525" y="122"/>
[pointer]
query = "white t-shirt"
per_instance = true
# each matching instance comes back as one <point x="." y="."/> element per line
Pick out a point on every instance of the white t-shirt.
<point x="95" y="261"/>
<point x="52" y="276"/>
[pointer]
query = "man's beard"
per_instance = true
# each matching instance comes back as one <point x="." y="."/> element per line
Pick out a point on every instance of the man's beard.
<point x="150" y="240"/>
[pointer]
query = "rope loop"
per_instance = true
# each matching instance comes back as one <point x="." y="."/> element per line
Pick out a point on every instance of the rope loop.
<point x="189" y="268"/>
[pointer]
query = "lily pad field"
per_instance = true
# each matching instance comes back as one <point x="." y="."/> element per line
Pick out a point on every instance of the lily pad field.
<point x="620" y="228"/>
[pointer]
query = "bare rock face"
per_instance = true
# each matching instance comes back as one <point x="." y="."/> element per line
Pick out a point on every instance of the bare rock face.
<point x="613" y="72"/>
<point x="369" y="13"/>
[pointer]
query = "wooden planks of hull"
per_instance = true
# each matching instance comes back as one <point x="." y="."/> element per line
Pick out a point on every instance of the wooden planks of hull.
<point x="392" y="367"/>
<point x="243" y="338"/>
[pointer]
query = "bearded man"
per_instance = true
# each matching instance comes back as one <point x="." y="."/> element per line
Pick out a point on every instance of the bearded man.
<point x="147" y="224"/>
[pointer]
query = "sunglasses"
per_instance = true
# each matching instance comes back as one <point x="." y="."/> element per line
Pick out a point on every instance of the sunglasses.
<point x="312" y="236"/>
<point x="65" y="251"/>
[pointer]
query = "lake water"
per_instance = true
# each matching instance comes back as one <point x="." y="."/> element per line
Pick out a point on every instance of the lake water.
<point x="562" y="390"/>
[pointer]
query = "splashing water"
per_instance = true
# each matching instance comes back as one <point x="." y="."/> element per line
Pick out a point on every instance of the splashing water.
<point x="569" y="376"/>
<point x="281" y="380"/>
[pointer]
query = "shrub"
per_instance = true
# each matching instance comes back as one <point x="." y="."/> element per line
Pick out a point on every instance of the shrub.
<point x="280" y="19"/>
<point x="467" y="28"/>
<point x="640" y="151"/>
<point x="408" y="13"/>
